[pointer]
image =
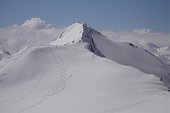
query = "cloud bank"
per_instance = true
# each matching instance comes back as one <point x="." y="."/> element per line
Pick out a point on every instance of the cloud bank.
<point x="36" y="23"/>
<point x="140" y="37"/>
<point x="31" y="33"/>
<point x="35" y="31"/>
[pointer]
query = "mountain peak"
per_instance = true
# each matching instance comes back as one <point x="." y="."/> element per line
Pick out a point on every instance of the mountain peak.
<point x="77" y="32"/>
<point x="72" y="34"/>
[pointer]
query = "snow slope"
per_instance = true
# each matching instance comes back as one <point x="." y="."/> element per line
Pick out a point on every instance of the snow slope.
<point x="68" y="78"/>
<point x="72" y="34"/>
<point x="123" y="53"/>
<point x="77" y="33"/>
<point x="74" y="80"/>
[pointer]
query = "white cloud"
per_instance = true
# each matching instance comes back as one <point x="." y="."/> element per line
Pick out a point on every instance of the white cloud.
<point x="142" y="31"/>
<point x="33" y="32"/>
<point x="37" y="32"/>
<point x="36" y="23"/>
<point x="140" y="36"/>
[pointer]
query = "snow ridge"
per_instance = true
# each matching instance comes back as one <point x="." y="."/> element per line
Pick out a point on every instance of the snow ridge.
<point x="71" y="35"/>
<point x="77" y="33"/>
<point x="123" y="53"/>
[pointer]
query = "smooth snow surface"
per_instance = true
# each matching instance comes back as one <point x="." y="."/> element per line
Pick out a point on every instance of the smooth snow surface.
<point x="73" y="80"/>
<point x="67" y="77"/>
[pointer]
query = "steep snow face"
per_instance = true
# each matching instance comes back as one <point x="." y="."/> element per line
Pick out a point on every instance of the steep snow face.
<point x="77" y="33"/>
<point x="71" y="35"/>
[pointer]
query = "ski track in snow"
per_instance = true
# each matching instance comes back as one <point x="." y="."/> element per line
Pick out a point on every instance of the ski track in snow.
<point x="59" y="85"/>
<point x="29" y="92"/>
<point x="125" y="107"/>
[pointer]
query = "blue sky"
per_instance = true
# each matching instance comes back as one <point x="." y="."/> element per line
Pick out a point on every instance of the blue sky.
<point x="115" y="15"/>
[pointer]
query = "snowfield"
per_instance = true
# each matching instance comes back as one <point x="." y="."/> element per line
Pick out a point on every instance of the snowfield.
<point x="82" y="72"/>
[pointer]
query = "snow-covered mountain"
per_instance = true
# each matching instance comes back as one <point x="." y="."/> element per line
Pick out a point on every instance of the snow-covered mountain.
<point x="152" y="48"/>
<point x="143" y="38"/>
<point x="164" y="54"/>
<point x="82" y="71"/>
<point x="77" y="33"/>
<point x="123" y="53"/>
